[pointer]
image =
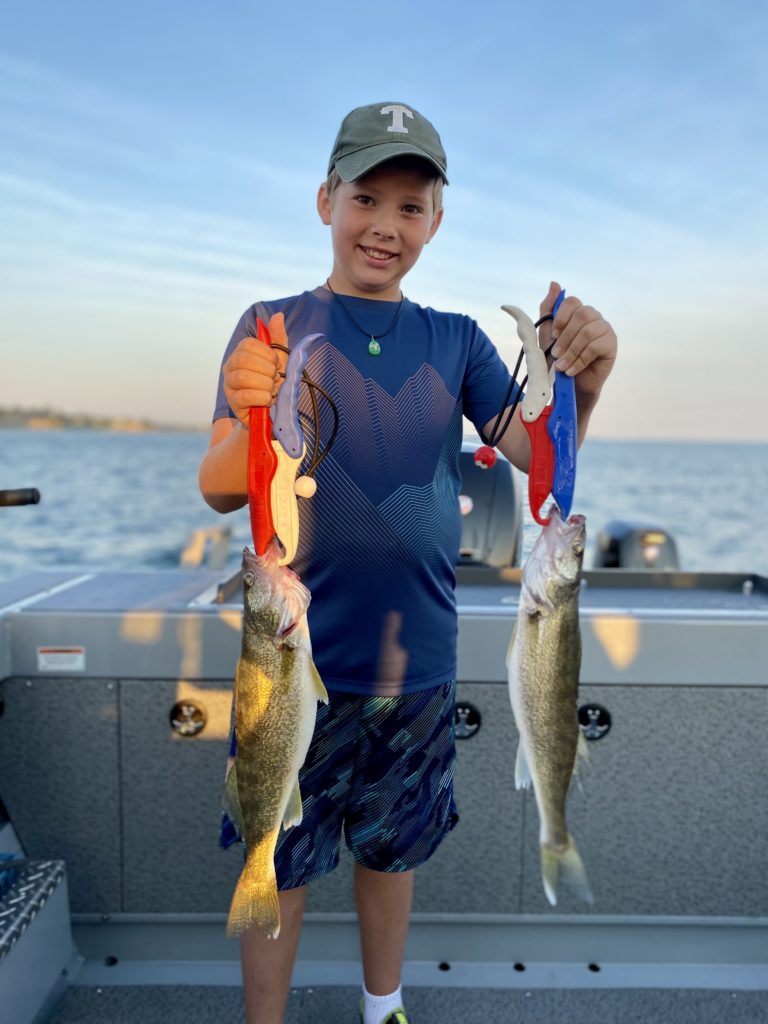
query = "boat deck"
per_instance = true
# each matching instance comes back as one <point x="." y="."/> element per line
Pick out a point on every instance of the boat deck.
<point x="332" y="1004"/>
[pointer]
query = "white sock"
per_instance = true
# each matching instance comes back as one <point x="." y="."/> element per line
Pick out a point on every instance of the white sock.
<point x="377" y="1008"/>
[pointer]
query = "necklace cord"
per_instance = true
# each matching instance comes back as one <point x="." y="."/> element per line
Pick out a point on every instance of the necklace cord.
<point x="368" y="334"/>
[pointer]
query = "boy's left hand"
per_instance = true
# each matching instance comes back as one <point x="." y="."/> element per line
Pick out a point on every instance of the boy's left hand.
<point x="585" y="345"/>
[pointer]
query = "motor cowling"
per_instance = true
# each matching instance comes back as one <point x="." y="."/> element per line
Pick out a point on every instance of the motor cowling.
<point x="632" y="544"/>
<point x="491" y="507"/>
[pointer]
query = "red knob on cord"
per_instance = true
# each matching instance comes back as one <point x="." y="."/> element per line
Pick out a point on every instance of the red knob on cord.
<point x="485" y="457"/>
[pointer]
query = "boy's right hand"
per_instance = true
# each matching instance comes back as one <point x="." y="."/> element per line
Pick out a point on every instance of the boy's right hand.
<point x="251" y="375"/>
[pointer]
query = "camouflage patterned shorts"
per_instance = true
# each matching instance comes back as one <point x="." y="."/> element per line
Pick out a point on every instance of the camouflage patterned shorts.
<point x="380" y="770"/>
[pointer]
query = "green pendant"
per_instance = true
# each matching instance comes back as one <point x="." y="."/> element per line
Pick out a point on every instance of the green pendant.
<point x="374" y="347"/>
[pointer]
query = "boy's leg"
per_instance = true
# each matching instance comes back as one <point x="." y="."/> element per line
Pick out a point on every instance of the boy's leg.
<point x="383" y="901"/>
<point x="268" y="963"/>
<point x="399" y="808"/>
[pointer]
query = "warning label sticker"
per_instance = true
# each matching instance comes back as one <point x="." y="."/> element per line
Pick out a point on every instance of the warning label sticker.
<point x="61" y="659"/>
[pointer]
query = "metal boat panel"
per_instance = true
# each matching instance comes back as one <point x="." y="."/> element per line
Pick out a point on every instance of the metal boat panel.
<point x="171" y="800"/>
<point x="60" y="780"/>
<point x="671" y="811"/>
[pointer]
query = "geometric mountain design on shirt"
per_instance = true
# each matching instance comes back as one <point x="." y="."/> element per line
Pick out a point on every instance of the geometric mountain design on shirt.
<point x="391" y="473"/>
<point x="421" y="515"/>
<point x="400" y="435"/>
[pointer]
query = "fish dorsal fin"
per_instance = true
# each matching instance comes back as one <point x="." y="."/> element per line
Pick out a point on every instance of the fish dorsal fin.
<point x="320" y="690"/>
<point x="582" y="748"/>
<point x="523" y="777"/>
<point x="231" y="801"/>
<point x="582" y="754"/>
<point x="293" y="809"/>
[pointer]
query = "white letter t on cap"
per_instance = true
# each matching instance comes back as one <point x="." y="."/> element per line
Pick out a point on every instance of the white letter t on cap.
<point x="397" y="111"/>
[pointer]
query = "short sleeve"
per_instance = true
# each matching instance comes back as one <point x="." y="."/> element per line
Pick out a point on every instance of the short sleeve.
<point x="486" y="386"/>
<point x="246" y="327"/>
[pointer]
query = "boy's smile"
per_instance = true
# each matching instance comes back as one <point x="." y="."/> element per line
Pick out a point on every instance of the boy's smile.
<point x="379" y="225"/>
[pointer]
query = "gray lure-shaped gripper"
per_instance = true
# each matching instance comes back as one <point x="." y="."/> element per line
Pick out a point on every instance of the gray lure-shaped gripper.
<point x="285" y="415"/>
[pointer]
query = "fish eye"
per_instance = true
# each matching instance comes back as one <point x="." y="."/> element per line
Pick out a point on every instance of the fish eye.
<point x="248" y="579"/>
<point x="578" y="549"/>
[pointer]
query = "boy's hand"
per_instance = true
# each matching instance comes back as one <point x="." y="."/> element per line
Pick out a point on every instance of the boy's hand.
<point x="252" y="373"/>
<point x="585" y="345"/>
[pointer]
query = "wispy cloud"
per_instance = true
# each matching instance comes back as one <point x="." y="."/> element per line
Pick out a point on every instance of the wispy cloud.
<point x="156" y="246"/>
<point x="620" y="150"/>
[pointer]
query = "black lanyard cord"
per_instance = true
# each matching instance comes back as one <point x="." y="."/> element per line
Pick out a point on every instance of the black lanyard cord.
<point x="497" y="432"/>
<point x="317" y="456"/>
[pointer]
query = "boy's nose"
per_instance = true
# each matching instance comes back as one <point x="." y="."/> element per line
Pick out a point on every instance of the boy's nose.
<point x="384" y="227"/>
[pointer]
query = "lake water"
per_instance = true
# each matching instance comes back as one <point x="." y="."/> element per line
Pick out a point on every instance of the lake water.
<point x="128" y="501"/>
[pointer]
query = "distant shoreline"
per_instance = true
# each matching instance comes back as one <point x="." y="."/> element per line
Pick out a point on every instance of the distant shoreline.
<point x="42" y="420"/>
<point x="51" y="419"/>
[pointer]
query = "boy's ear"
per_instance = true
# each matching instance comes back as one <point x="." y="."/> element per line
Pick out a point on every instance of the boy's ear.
<point x="435" y="224"/>
<point x="324" y="204"/>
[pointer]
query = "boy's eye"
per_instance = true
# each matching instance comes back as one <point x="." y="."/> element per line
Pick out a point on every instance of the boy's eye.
<point x="411" y="208"/>
<point x="363" y="200"/>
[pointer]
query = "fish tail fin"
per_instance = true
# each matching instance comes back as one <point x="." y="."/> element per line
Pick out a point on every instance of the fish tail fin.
<point x="255" y="903"/>
<point x="565" y="865"/>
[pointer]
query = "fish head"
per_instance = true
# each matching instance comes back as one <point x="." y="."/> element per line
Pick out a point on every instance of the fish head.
<point x="566" y="539"/>
<point x="553" y="570"/>
<point x="274" y="598"/>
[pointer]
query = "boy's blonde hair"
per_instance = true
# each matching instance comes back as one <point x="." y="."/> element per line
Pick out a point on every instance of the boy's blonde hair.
<point x="334" y="180"/>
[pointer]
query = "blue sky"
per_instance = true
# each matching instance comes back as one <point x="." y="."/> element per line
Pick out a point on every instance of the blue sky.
<point x="159" y="164"/>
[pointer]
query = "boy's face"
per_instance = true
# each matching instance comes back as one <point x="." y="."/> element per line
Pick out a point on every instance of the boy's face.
<point x="379" y="225"/>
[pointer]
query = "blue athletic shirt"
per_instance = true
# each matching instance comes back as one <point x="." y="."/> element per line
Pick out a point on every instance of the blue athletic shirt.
<point x="379" y="540"/>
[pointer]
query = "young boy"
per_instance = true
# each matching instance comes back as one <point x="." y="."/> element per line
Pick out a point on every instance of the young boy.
<point x="379" y="540"/>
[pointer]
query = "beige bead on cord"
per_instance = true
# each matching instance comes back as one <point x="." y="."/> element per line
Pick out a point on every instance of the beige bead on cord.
<point x="305" y="486"/>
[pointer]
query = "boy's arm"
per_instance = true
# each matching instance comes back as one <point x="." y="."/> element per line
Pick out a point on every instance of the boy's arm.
<point x="223" y="476"/>
<point x="585" y="348"/>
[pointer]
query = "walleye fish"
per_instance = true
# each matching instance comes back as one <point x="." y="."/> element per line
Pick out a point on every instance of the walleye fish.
<point x="277" y="688"/>
<point x="544" y="659"/>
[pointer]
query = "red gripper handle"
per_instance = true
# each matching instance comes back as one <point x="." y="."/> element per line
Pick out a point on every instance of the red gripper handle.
<point x="262" y="466"/>
<point x="541" y="471"/>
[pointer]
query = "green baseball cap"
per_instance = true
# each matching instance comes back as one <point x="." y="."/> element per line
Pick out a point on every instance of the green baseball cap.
<point x="380" y="131"/>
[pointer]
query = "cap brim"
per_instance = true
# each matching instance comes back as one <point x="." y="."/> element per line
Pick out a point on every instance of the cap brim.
<point x="355" y="165"/>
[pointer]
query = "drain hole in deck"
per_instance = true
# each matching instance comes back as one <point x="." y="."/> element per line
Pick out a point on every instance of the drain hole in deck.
<point x="110" y="961"/>
<point x="444" y="966"/>
<point x="519" y="967"/>
<point x="594" y="967"/>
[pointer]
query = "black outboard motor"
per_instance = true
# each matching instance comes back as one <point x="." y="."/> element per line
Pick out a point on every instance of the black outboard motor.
<point x="630" y="544"/>
<point x="491" y="521"/>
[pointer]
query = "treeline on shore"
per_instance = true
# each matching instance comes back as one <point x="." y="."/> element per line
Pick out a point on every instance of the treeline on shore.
<point x="51" y="419"/>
